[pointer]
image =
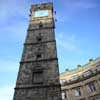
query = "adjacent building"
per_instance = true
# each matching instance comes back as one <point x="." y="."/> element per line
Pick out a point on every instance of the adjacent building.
<point x="82" y="83"/>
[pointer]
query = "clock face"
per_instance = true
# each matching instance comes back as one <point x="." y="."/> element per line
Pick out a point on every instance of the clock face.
<point x="41" y="13"/>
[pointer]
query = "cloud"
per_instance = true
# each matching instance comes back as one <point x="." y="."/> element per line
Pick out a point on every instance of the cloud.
<point x="6" y="92"/>
<point x="69" y="43"/>
<point x="14" y="30"/>
<point x="74" y="8"/>
<point x="9" y="66"/>
<point x="13" y="18"/>
<point x="13" y="13"/>
<point x="79" y="4"/>
<point x="12" y="8"/>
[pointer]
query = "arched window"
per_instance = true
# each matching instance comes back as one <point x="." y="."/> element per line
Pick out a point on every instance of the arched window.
<point x="39" y="56"/>
<point x="91" y="87"/>
<point x="40" y="25"/>
<point x="63" y="95"/>
<point x="39" y="38"/>
<point x="77" y="91"/>
<point x="37" y="76"/>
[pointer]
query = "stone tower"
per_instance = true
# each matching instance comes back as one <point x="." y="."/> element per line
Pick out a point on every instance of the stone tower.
<point x="38" y="77"/>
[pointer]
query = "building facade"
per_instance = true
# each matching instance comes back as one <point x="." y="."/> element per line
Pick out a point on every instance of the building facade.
<point x="82" y="83"/>
<point x="38" y="77"/>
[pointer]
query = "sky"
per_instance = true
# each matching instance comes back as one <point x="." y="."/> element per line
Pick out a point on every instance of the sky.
<point x="77" y="36"/>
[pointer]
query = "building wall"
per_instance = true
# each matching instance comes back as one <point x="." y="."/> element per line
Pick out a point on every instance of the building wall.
<point x="38" y="76"/>
<point x="82" y="83"/>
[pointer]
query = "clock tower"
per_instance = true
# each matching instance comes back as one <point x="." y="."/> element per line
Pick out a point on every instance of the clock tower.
<point x="38" y="77"/>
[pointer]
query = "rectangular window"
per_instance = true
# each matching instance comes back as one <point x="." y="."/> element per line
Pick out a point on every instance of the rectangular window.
<point x="63" y="95"/>
<point x="96" y="99"/>
<point x="98" y="68"/>
<point x="77" y="92"/>
<point x="91" y="87"/>
<point x="41" y="13"/>
<point x="37" y="77"/>
<point x="74" y="78"/>
<point x="87" y="73"/>
<point x="99" y="79"/>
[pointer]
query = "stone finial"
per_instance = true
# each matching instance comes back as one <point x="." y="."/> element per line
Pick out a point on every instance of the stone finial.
<point x="90" y="60"/>
<point x="78" y="66"/>
<point x="67" y="69"/>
